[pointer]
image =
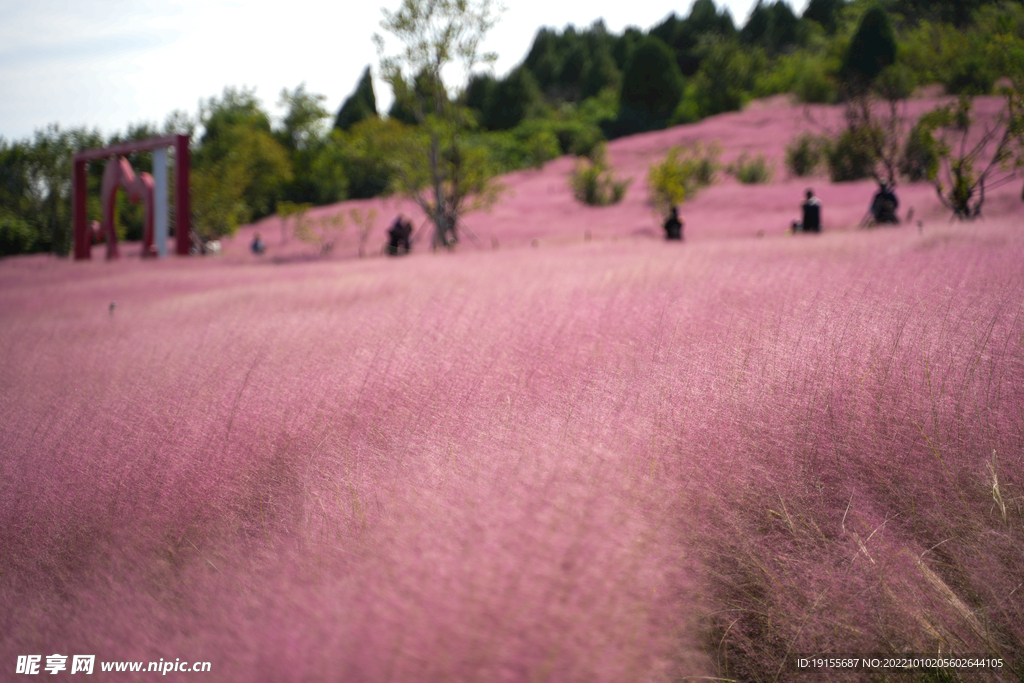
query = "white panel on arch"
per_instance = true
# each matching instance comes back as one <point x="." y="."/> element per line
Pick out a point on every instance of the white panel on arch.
<point x="160" y="201"/>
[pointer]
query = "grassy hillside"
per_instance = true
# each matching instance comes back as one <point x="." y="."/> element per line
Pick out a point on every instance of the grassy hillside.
<point x="589" y="461"/>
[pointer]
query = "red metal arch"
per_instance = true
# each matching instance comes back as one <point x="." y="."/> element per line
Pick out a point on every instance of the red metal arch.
<point x="118" y="173"/>
<point x="118" y="177"/>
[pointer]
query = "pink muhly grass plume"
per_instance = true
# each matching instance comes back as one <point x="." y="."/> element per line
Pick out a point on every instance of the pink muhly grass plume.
<point x="592" y="461"/>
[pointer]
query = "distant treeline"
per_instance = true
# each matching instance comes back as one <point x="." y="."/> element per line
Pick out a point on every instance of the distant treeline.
<point x="575" y="89"/>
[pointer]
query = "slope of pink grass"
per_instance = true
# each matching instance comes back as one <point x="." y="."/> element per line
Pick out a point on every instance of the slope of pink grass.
<point x="538" y="204"/>
<point x="604" y="461"/>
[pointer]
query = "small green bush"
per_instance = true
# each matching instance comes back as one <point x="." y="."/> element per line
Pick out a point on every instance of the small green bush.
<point x="804" y="154"/>
<point x="851" y="157"/>
<point x="682" y="172"/>
<point x="752" y="171"/>
<point x="920" y="159"/>
<point x="594" y="184"/>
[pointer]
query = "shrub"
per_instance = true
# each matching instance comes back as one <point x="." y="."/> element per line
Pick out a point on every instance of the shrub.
<point x="17" y="237"/>
<point x="576" y="136"/>
<point x="593" y="182"/>
<point x="682" y="172"/>
<point x="961" y="171"/>
<point x="756" y="171"/>
<point x="814" y="85"/>
<point x="528" y="145"/>
<point x="803" y="154"/>
<point x="919" y="160"/>
<point x="970" y="76"/>
<point x="851" y="157"/>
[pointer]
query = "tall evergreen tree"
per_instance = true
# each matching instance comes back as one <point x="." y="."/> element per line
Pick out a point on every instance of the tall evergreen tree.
<point x="872" y="48"/>
<point x="825" y="12"/>
<point x="652" y="86"/>
<point x="360" y="105"/>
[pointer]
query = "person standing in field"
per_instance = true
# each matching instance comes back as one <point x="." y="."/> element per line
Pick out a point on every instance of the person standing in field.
<point x="811" y="212"/>
<point x="674" y="226"/>
<point x="257" y="247"/>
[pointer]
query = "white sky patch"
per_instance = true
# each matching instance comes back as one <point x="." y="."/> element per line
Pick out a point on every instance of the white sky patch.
<point x="109" y="63"/>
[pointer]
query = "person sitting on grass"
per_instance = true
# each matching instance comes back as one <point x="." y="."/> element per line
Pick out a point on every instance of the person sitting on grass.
<point x="811" y="213"/>
<point x="257" y="246"/>
<point x="674" y="226"/>
<point x="399" y="235"/>
<point x="884" y="205"/>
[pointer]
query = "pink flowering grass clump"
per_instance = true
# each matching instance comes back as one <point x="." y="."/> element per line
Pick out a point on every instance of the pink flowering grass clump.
<point x="591" y="461"/>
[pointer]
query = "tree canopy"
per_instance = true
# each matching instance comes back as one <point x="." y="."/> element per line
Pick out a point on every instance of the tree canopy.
<point x="360" y="105"/>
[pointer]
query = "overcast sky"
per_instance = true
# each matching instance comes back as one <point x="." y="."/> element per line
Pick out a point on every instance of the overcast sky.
<point x="108" y="63"/>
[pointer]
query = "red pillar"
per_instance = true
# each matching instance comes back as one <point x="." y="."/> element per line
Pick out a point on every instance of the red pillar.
<point x="83" y="236"/>
<point x="182" y="208"/>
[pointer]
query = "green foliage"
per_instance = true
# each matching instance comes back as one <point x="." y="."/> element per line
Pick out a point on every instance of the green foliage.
<point x="320" y="232"/>
<point x="305" y="135"/>
<point x="825" y="12"/>
<point x="17" y="236"/>
<point x="434" y="165"/>
<point x="971" y="75"/>
<point x="593" y="182"/>
<point x="804" y="154"/>
<point x="528" y="145"/>
<point x="512" y="100"/>
<point x="851" y="156"/>
<point x="687" y="36"/>
<point x="966" y="166"/>
<point x="920" y="159"/>
<point x="872" y="48"/>
<point x="240" y="169"/>
<point x="680" y="174"/>
<point x="807" y="75"/>
<point x="773" y="27"/>
<point x="305" y="120"/>
<point x="727" y="75"/>
<point x="360" y="105"/>
<point x="752" y="171"/>
<point x="652" y="86"/>
<point x="362" y="153"/>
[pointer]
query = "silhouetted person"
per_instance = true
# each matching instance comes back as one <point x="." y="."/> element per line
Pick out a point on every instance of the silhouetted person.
<point x="673" y="226"/>
<point x="811" y="213"/>
<point x="884" y="205"/>
<point x="399" y="235"/>
<point x="257" y="246"/>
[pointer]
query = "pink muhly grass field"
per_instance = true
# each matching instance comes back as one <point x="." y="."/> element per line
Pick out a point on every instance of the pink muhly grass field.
<point x="590" y="461"/>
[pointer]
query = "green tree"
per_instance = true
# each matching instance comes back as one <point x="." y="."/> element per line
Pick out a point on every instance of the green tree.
<point x="872" y="49"/>
<point x="304" y="122"/>
<point x="315" y="179"/>
<point x="773" y="27"/>
<point x="825" y="12"/>
<point x="434" y="165"/>
<point x="360" y="105"/>
<point x="652" y="86"/>
<point x="676" y="178"/>
<point x="513" y="99"/>
<point x="968" y="165"/>
<point x="593" y="182"/>
<point x="239" y="170"/>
